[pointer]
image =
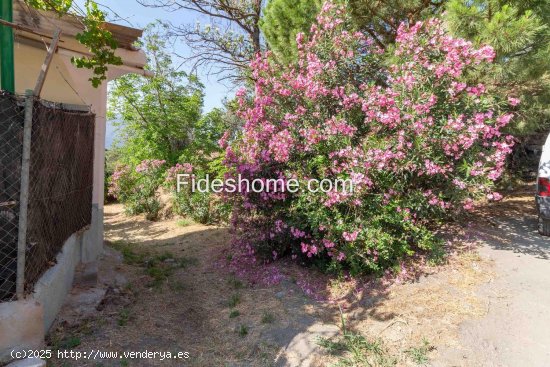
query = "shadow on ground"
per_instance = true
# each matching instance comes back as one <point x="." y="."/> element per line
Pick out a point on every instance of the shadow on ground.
<point x="201" y="308"/>
<point x="512" y="226"/>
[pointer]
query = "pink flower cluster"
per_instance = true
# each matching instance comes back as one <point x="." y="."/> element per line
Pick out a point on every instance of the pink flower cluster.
<point x="116" y="180"/>
<point x="416" y="139"/>
<point x="280" y="145"/>
<point x="178" y="169"/>
<point x="149" y="165"/>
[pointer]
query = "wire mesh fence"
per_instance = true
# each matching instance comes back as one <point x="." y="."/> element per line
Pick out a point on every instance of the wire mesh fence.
<point x="61" y="183"/>
<point x="59" y="191"/>
<point x="11" y="149"/>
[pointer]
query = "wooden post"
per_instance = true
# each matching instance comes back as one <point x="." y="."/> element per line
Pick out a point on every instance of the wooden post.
<point x="24" y="196"/>
<point x="47" y="63"/>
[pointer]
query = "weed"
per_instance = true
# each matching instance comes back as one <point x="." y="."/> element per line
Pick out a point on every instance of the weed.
<point x="268" y="318"/>
<point x="123" y="317"/>
<point x="70" y="342"/>
<point x="419" y="355"/>
<point x="128" y="254"/>
<point x="437" y="256"/>
<point x="358" y="351"/>
<point x="176" y="286"/>
<point x="332" y="347"/>
<point x="162" y="257"/>
<point x="124" y="363"/>
<point x="184" y="262"/>
<point x="355" y="350"/>
<point x="234" y="300"/>
<point x="185" y="222"/>
<point x="235" y="283"/>
<point x="242" y="330"/>
<point x="85" y="328"/>
<point x="234" y="313"/>
<point x="266" y="353"/>
<point x="159" y="267"/>
<point x="159" y="273"/>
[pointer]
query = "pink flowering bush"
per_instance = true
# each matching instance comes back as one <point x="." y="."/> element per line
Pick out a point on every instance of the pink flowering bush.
<point x="417" y="140"/>
<point x="137" y="187"/>
<point x="178" y="169"/>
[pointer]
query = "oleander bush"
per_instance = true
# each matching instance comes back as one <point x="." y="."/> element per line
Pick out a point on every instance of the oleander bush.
<point x="137" y="187"/>
<point x="418" y="142"/>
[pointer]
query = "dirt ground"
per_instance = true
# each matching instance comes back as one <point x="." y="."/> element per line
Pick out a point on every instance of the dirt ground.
<point x="166" y="291"/>
<point x="515" y="331"/>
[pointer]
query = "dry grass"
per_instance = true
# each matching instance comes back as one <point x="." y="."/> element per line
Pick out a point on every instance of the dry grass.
<point x="404" y="315"/>
<point x="189" y="309"/>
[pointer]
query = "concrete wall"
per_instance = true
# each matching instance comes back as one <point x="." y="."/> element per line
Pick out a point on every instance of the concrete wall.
<point x="20" y="327"/>
<point x="52" y="288"/>
<point x="23" y="324"/>
<point x="92" y="241"/>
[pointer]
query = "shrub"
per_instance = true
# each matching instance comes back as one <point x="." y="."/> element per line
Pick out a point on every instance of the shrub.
<point x="417" y="141"/>
<point x="194" y="205"/>
<point x="202" y="207"/>
<point x="186" y="202"/>
<point x="137" y="188"/>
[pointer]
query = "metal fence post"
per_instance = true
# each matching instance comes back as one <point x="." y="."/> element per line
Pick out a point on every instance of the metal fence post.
<point x="24" y="195"/>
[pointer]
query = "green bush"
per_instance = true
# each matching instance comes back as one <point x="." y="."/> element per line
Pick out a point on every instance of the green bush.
<point x="202" y="207"/>
<point x="137" y="188"/>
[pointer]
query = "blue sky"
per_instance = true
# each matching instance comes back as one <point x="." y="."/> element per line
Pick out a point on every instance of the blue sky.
<point x="138" y="16"/>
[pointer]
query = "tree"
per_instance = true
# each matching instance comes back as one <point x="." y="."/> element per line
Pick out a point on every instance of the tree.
<point x="206" y="133"/>
<point x="381" y="18"/>
<point x="228" y="43"/>
<point x="519" y="32"/>
<point x="163" y="134"/>
<point x="282" y="20"/>
<point x="157" y="116"/>
<point x="98" y="40"/>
